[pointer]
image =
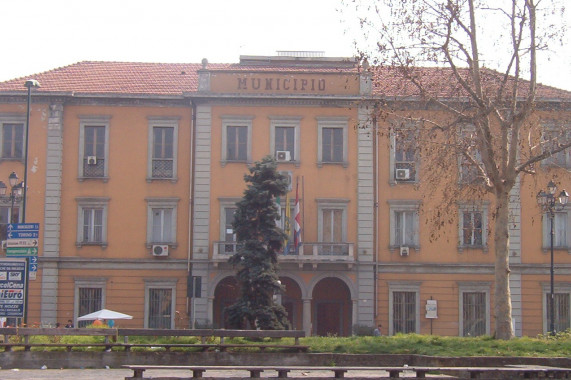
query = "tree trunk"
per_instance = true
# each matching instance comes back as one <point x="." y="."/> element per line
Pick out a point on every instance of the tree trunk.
<point x="502" y="295"/>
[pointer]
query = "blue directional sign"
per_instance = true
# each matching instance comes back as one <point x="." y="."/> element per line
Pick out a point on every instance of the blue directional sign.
<point x="32" y="234"/>
<point x="22" y="241"/>
<point x="23" y="227"/>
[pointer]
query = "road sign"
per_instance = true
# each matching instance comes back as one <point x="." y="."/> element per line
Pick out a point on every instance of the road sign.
<point x="23" y="239"/>
<point x="23" y="227"/>
<point x="17" y="234"/>
<point x="22" y="251"/>
<point x="21" y="243"/>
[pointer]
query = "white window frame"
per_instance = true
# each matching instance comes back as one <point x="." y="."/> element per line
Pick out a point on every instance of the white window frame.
<point x="329" y="204"/>
<point x="472" y="287"/>
<point x="409" y="125"/>
<point x="476" y="154"/>
<point x="332" y="122"/>
<point x="406" y="205"/>
<point x="562" y="128"/>
<point x="6" y="205"/>
<point x="546" y="227"/>
<point x="10" y="118"/>
<point x="404" y="287"/>
<point x="286" y="122"/>
<point x="95" y="282"/>
<point x="160" y="284"/>
<point x="473" y="206"/>
<point x="93" y="121"/>
<point x="162" y="122"/>
<point x="89" y="203"/>
<point x="558" y="288"/>
<point x="236" y="121"/>
<point x="162" y="204"/>
<point x="225" y="203"/>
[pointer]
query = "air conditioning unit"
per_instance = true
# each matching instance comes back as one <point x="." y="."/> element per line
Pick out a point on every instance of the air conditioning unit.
<point x="91" y="160"/>
<point x="283" y="155"/>
<point x="404" y="251"/>
<point x="160" y="250"/>
<point x="402" y="174"/>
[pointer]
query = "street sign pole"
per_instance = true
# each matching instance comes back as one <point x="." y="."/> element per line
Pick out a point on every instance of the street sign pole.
<point x="23" y="240"/>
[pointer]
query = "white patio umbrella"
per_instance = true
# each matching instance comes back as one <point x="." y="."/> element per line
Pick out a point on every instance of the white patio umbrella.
<point x="104" y="314"/>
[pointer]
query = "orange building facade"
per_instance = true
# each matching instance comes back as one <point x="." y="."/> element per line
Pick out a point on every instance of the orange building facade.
<point x="134" y="171"/>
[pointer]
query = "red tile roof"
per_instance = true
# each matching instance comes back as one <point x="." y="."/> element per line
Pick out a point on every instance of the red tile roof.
<point x="441" y="82"/>
<point x="115" y="78"/>
<point x="174" y="79"/>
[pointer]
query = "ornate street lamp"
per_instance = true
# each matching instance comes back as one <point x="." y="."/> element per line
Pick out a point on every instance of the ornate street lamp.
<point x="550" y="203"/>
<point x="16" y="190"/>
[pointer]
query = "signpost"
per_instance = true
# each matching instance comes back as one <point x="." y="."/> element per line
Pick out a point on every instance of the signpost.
<point x="22" y="241"/>
<point x="12" y="287"/>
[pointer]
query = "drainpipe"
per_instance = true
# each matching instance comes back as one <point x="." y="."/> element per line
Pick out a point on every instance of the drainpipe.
<point x="190" y="202"/>
<point x="376" y="213"/>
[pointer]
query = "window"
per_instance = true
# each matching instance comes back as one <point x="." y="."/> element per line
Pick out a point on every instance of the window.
<point x="474" y="308"/>
<point x="227" y="244"/>
<point x="332" y="141"/>
<point x="332" y="226"/>
<point x="8" y="215"/>
<point x="236" y="139"/>
<point x="284" y="136"/>
<point x="12" y="136"/>
<point x="404" y="308"/>
<point x="92" y="221"/>
<point x="159" y="305"/>
<point x="473" y="222"/>
<point x="555" y="134"/>
<point x="404" y="155"/>
<point x="404" y="223"/>
<point x="469" y="156"/>
<point x="94" y="147"/>
<point x="12" y="140"/>
<point x="163" y="133"/>
<point x="562" y="308"/>
<point x="89" y="297"/>
<point x="161" y="220"/>
<point x="561" y="230"/>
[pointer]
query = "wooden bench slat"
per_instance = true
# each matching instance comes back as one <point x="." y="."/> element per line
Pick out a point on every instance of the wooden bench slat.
<point x="339" y="372"/>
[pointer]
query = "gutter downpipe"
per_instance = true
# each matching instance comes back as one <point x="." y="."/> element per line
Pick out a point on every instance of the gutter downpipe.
<point x="191" y="209"/>
<point x="376" y="214"/>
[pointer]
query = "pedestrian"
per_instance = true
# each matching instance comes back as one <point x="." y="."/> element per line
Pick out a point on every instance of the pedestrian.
<point x="377" y="331"/>
<point x="69" y="324"/>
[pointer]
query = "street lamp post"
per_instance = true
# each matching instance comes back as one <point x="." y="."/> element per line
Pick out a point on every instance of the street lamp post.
<point x="550" y="203"/>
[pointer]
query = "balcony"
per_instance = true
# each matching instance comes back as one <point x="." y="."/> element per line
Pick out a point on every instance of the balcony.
<point x="313" y="253"/>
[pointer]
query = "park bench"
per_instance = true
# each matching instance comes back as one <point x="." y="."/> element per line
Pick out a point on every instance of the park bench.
<point x="111" y="336"/>
<point x="394" y="372"/>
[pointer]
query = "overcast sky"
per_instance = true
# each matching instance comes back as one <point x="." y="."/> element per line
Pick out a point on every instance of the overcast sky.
<point x="40" y="35"/>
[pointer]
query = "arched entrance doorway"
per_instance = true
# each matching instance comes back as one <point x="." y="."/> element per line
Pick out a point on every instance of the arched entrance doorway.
<point x="226" y="293"/>
<point x="292" y="302"/>
<point x="331" y="308"/>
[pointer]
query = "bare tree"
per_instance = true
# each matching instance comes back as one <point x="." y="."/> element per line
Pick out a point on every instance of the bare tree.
<point x="488" y="93"/>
